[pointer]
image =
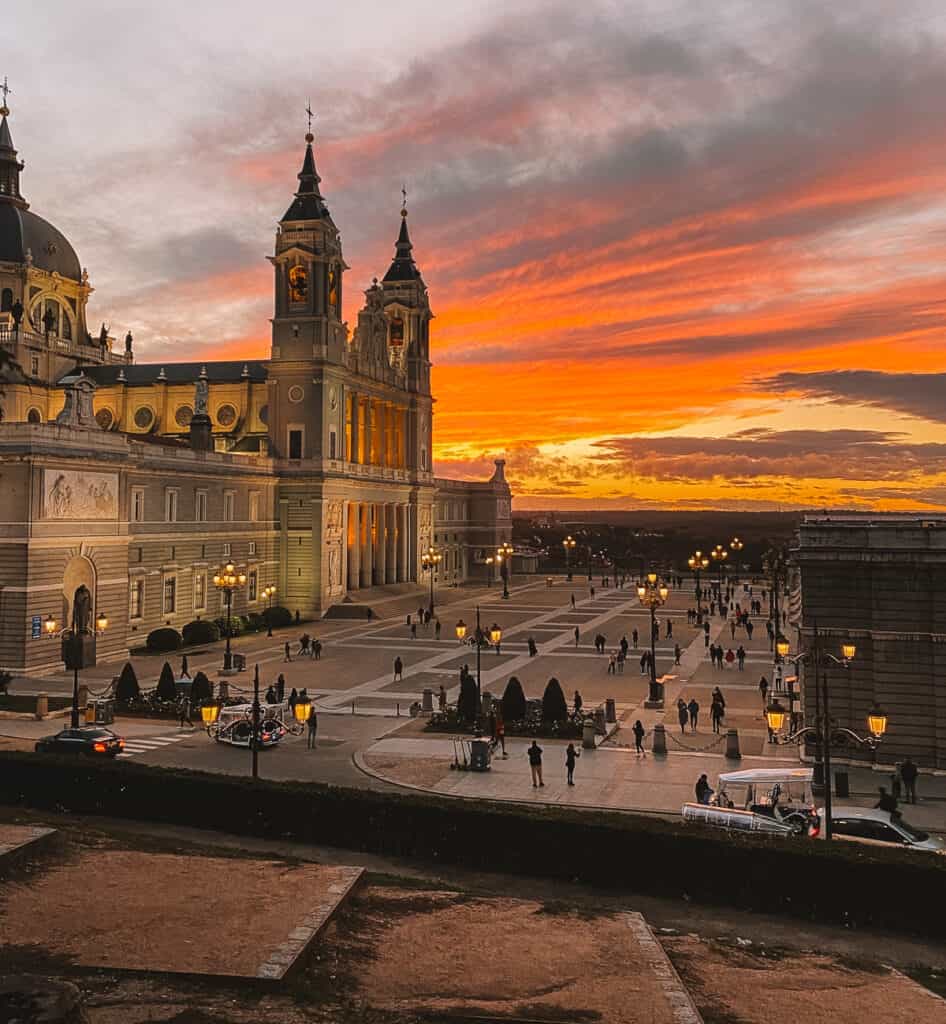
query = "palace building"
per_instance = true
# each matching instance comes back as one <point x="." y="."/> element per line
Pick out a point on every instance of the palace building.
<point x="311" y="470"/>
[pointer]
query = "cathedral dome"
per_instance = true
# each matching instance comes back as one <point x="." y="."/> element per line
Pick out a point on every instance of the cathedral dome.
<point x="22" y="232"/>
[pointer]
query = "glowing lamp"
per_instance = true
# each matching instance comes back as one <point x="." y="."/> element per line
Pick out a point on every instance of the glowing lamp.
<point x="664" y="591"/>
<point x="848" y="651"/>
<point x="302" y="709"/>
<point x="461" y="629"/>
<point x="783" y="647"/>
<point x="642" y="591"/>
<point x="652" y="578"/>
<point x="495" y="635"/>
<point x="49" y="624"/>
<point x="209" y="712"/>
<point x="775" y="716"/>
<point x="876" y="722"/>
<point x="101" y="622"/>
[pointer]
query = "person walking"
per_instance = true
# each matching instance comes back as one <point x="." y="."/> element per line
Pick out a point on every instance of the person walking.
<point x="287" y="654"/>
<point x="533" y="649"/>
<point x="442" y="699"/>
<point x="591" y="590"/>
<point x="730" y="658"/>
<point x="398" y="668"/>
<point x="184" y="673"/>
<point x="624" y="645"/>
<point x="271" y="695"/>
<point x="413" y="630"/>
<point x="749" y="628"/>
<point x="317" y="650"/>
<point x="716" y="715"/>
<point x="184" y="713"/>
<point x="571" y="756"/>
<point x="535" y="763"/>
<point x="638" y="731"/>
<point x="732" y="628"/>
<point x="764" y="691"/>
<point x="313" y="727"/>
<point x="669" y="630"/>
<point x="694" y="709"/>
<point x="683" y="715"/>
<point x="644" y="662"/>
<point x="676" y="654"/>
<point x="304" y="644"/>
<point x="578" y="703"/>
<point x="436" y="629"/>
<point x="703" y="790"/>
<point x="501" y="729"/>
<point x="612" y="664"/>
<point x="573" y="600"/>
<point x="741" y="657"/>
<point x="280" y="688"/>
<point x="293" y="701"/>
<point x="909" y="772"/>
<point x="622" y="657"/>
<point x="577" y="635"/>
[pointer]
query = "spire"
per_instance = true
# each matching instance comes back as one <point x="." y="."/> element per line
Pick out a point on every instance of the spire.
<point x="10" y="167"/>
<point x="308" y="204"/>
<point x="403" y="267"/>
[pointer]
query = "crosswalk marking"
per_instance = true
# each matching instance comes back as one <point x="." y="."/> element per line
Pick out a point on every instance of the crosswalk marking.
<point x="144" y="744"/>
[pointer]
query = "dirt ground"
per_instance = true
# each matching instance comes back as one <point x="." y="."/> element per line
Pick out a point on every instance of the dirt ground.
<point x="134" y="910"/>
<point x="411" y="771"/>
<point x="752" y="984"/>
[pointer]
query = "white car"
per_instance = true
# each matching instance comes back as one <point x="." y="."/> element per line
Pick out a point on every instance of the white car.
<point x="876" y="827"/>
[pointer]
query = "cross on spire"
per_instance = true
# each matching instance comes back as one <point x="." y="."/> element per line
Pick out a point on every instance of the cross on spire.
<point x="309" y="114"/>
<point x="6" y="90"/>
<point x="403" y="200"/>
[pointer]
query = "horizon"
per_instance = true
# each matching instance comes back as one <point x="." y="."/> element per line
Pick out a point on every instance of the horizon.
<point x="681" y="259"/>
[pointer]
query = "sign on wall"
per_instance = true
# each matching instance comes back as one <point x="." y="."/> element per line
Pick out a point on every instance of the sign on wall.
<point x="37" y="627"/>
<point x="76" y="494"/>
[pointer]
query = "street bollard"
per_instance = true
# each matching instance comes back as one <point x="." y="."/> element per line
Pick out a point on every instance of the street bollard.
<point x="732" y="745"/>
<point x="42" y="706"/>
<point x="588" y="734"/>
<point x="659" y="743"/>
<point x="610" y="711"/>
<point x="428" y="705"/>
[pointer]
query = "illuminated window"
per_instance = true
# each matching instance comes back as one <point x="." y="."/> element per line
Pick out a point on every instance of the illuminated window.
<point x="252" y="584"/>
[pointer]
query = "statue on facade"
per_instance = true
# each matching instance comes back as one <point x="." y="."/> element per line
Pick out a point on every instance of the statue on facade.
<point x="128" y="342"/>
<point x="103" y="336"/>
<point x="82" y="610"/>
<point x="16" y="311"/>
<point x="49" y="321"/>
<point x="78" y="409"/>
<point x="201" y="394"/>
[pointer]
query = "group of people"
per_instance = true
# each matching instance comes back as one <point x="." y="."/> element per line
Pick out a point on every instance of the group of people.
<point x="727" y="658"/>
<point x="309" y="647"/>
<point x="688" y="713"/>
<point x="424" y="618"/>
<point x="534" y="753"/>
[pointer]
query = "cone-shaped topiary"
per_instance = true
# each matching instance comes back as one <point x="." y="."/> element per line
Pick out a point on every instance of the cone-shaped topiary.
<point x="201" y="689"/>
<point x="127" y="688"/>
<point x="166" y="688"/>
<point x="554" y="708"/>
<point x="466" y="702"/>
<point x="514" y="701"/>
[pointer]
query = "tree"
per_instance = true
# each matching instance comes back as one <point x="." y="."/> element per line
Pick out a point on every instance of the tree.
<point x="467" y="703"/>
<point x="514" y="701"/>
<point x="201" y="689"/>
<point x="167" y="690"/>
<point x="554" y="708"/>
<point x="127" y="688"/>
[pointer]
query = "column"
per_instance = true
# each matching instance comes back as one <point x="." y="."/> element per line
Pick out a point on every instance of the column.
<point x="369" y="432"/>
<point x="403" y="522"/>
<point x="382" y="433"/>
<point x="380" y="545"/>
<point x="354" y="426"/>
<point x="366" y="552"/>
<point x="390" y="517"/>
<point x="354" y="546"/>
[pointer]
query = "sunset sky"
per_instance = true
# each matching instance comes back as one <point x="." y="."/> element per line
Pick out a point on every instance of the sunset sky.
<point x="681" y="254"/>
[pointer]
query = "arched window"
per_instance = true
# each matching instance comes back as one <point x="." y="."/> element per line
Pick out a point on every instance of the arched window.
<point x="6" y="300"/>
<point x="34" y="416"/>
<point x="66" y="326"/>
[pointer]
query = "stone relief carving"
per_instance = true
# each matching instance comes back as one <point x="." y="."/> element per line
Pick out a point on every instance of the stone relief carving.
<point x="334" y="567"/>
<point x="72" y="494"/>
<point x="333" y="517"/>
<point x="425" y="517"/>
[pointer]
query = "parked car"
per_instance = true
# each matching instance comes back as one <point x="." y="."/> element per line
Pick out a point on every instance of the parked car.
<point x="876" y="827"/>
<point x="91" y="740"/>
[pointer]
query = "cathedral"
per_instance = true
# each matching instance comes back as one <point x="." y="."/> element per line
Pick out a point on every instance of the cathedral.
<point x="311" y="470"/>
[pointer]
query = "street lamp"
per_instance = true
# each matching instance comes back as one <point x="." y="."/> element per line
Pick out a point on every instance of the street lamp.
<point x="653" y="595"/>
<point x="736" y="545"/>
<point x="429" y="561"/>
<point x="228" y="580"/>
<point x="269" y="593"/>
<point x="504" y="557"/>
<point x="73" y="654"/>
<point x="569" y="544"/>
<point x="719" y="555"/>
<point x="479" y="636"/>
<point x="698" y="562"/>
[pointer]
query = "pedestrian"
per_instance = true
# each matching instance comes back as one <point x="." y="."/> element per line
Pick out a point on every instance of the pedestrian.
<point x="624" y="645"/>
<point x="413" y="630"/>
<point x="669" y="630"/>
<point x="716" y="715"/>
<point x="683" y="715"/>
<point x="592" y="591"/>
<point x="622" y="657"/>
<point x="408" y="620"/>
<point x="730" y="658"/>
<point x="398" y="668"/>
<point x="676" y="654"/>
<point x="184" y="673"/>
<point x="749" y="628"/>
<point x="577" y="634"/>
<point x="280" y="688"/>
<point x="271" y="695"/>
<point x="887" y="801"/>
<point x="304" y="643"/>
<point x="313" y="723"/>
<point x="703" y="790"/>
<point x="634" y="635"/>
<point x="436" y="629"/>
<point x="694" y="709"/>
<point x="571" y="755"/>
<point x="578" y="703"/>
<point x="741" y="657"/>
<point x="908" y="772"/>
<point x="293" y="701"/>
<point x="612" y="664"/>
<point x="763" y="691"/>
<point x="442" y="699"/>
<point x="535" y="763"/>
<point x="732" y="628"/>
<point x="533" y="649"/>
<point x="573" y="600"/>
<point x="287" y="656"/>
<point x="317" y="650"/>
<point x="644" y="662"/>
<point x="638" y="731"/>
<point x="184" y="712"/>
<point x="717" y="695"/>
<point x="500" y="729"/>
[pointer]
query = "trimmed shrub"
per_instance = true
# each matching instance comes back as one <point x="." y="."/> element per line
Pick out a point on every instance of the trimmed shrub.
<point x="277" y="616"/>
<point x="236" y="625"/>
<point x="200" y="631"/>
<point x="514" y="701"/>
<point x="201" y="689"/>
<point x="167" y="689"/>
<point x="554" y="708"/>
<point x="127" y="689"/>
<point x="164" y="639"/>
<point x="466" y="702"/>
<point x="256" y="622"/>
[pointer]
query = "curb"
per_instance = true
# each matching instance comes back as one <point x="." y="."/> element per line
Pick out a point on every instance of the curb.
<point x="671" y="985"/>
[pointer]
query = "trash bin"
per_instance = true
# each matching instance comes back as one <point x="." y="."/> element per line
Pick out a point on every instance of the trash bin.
<point x="90" y="714"/>
<point x="100" y="711"/>
<point x="588" y="734"/>
<point x="239" y="662"/>
<point x="610" y="712"/>
<point x="842" y="786"/>
<point x="479" y="755"/>
<point x="428" y="705"/>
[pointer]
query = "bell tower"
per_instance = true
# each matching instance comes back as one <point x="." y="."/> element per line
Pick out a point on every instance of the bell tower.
<point x="307" y="326"/>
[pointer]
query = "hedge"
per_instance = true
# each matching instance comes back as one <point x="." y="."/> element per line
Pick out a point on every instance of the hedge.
<point x="842" y="884"/>
<point x="163" y="640"/>
<point x="200" y="631"/>
<point x="278" y="616"/>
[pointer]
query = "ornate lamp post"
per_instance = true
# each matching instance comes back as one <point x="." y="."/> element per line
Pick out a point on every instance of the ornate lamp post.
<point x="653" y="595"/>
<point x="228" y="580"/>
<point x="479" y="636"/>
<point x="504" y="557"/>
<point x="736" y="546"/>
<point x="74" y="654"/>
<point x="698" y="562"/>
<point x="719" y="555"/>
<point x="429" y="561"/>
<point x="569" y="545"/>
<point x="269" y="593"/>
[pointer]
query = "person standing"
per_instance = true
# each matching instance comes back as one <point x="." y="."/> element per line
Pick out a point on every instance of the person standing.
<point x="571" y="755"/>
<point x="741" y="657"/>
<point x="271" y="695"/>
<point x="573" y="600"/>
<point x="638" y="731"/>
<point x="184" y="713"/>
<point x="669" y="630"/>
<point x="535" y="763"/>
<point x="676" y="654"/>
<point x="413" y="630"/>
<point x="683" y="715"/>
<point x="764" y="691"/>
<point x="577" y="635"/>
<point x="313" y="726"/>
<point x="501" y="729"/>
<point x="442" y="699"/>
<point x="436" y="629"/>
<point x="293" y="700"/>
<point x="634" y="636"/>
<point x="716" y="714"/>
<point x="578" y="703"/>
<point x="398" y="668"/>
<point x="280" y="688"/>
<point x="908" y="772"/>
<point x="317" y="650"/>
<point x="287" y="654"/>
<point x="612" y="663"/>
<point x="694" y="710"/>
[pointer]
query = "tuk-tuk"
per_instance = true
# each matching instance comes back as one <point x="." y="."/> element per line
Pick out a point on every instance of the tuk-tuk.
<point x="773" y="800"/>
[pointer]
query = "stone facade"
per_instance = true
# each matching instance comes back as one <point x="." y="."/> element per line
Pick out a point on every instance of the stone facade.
<point x="311" y="470"/>
<point x="877" y="582"/>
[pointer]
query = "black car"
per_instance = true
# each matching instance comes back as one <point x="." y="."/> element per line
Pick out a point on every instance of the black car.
<point x="91" y="740"/>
